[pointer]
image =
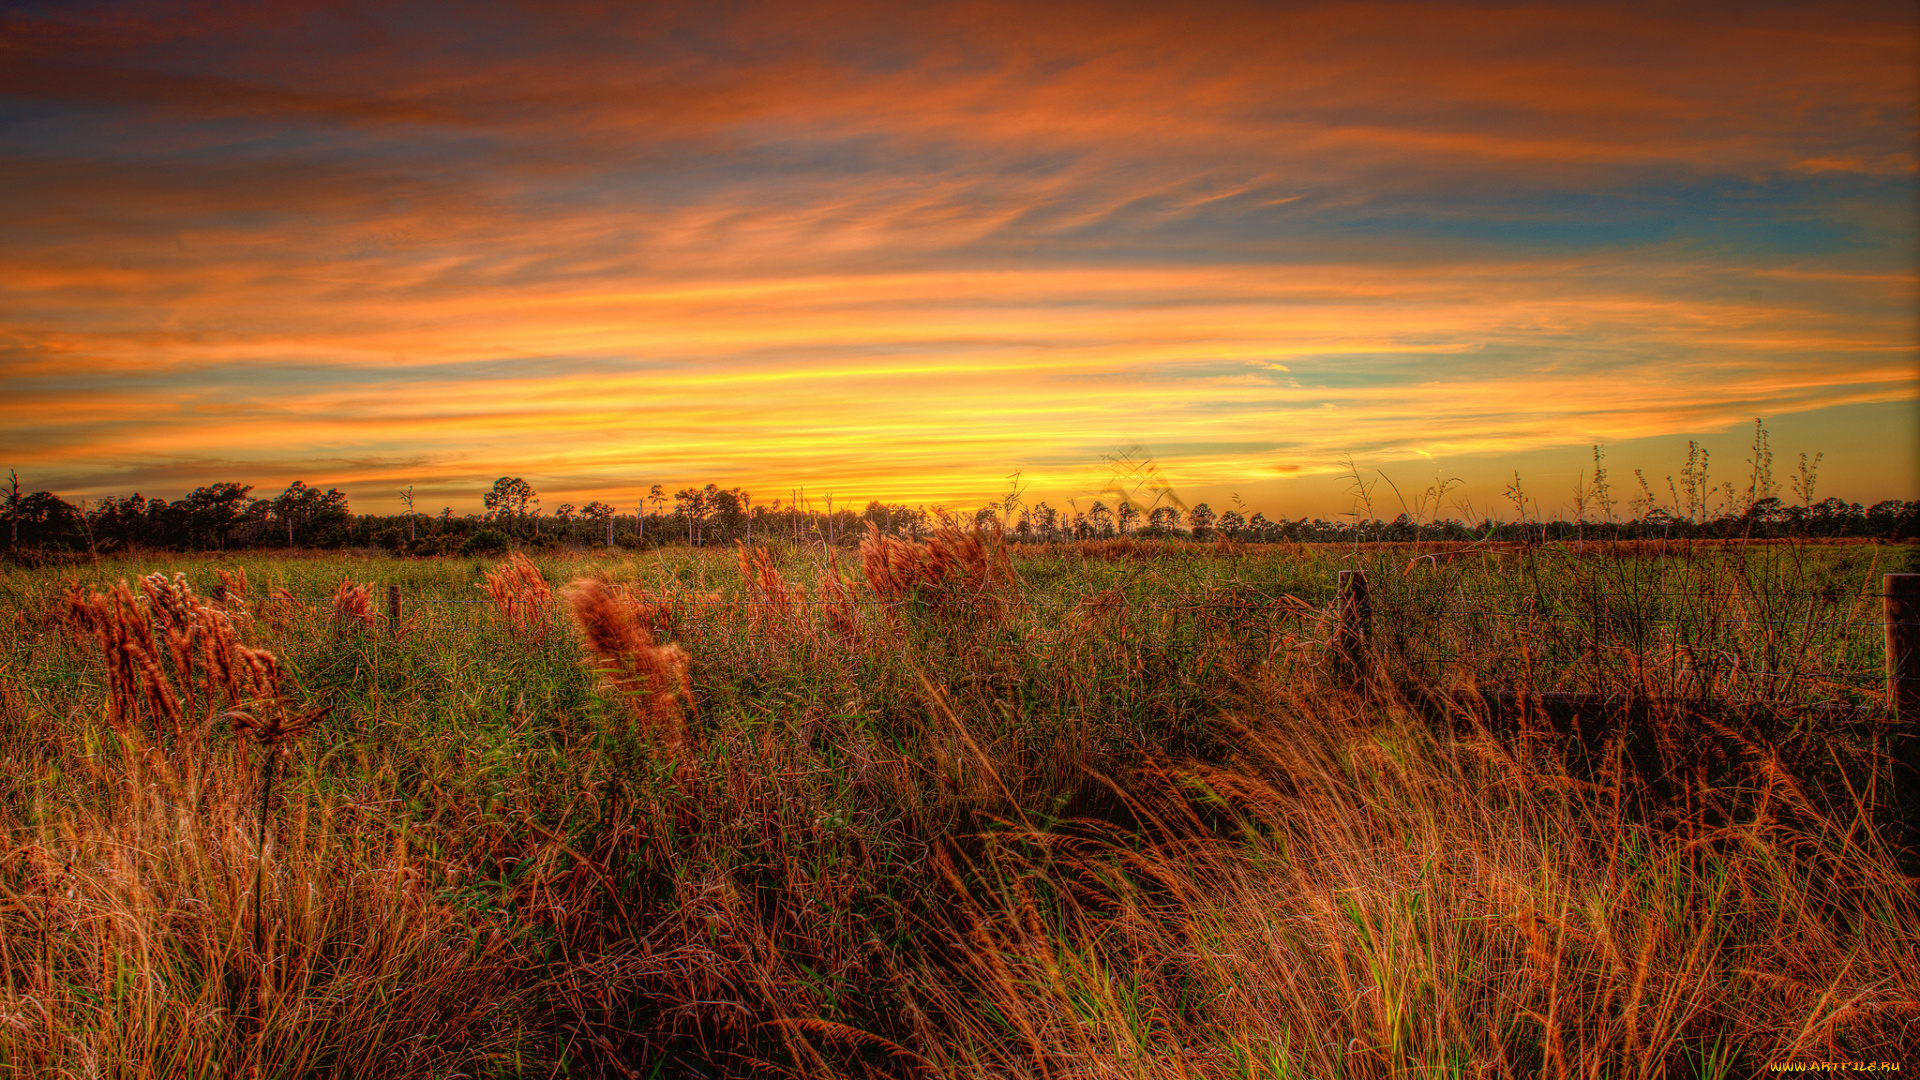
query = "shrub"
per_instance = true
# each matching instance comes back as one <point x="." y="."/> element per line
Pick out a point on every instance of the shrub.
<point x="435" y="544"/>
<point x="485" y="542"/>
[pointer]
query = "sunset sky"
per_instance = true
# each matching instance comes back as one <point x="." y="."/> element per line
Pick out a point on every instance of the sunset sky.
<point x="902" y="251"/>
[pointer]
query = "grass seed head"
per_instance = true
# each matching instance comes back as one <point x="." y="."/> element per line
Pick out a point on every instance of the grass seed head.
<point x="520" y="595"/>
<point x="653" y="679"/>
<point x="353" y="607"/>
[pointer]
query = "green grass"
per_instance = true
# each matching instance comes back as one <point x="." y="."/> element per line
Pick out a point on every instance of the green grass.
<point x="1124" y="820"/>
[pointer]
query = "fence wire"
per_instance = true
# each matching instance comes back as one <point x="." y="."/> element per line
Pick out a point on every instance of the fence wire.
<point x="1253" y="607"/>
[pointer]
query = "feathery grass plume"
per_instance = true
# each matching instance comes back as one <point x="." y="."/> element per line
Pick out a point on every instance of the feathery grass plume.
<point x="277" y="610"/>
<point x="70" y="611"/>
<point x="773" y="605"/>
<point x="653" y="679"/>
<point x="174" y="662"/>
<point x="353" y="607"/>
<point x="272" y="728"/>
<point x="836" y="595"/>
<point x="193" y="629"/>
<point x="952" y="571"/>
<point x="233" y="586"/>
<point x="232" y="595"/>
<point x="137" y="683"/>
<point x="172" y="599"/>
<point x="172" y="658"/>
<point x="520" y="595"/>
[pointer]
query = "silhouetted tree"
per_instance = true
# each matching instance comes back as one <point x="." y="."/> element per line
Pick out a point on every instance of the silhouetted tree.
<point x="691" y="504"/>
<point x="509" y="499"/>
<point x="309" y="513"/>
<point x="727" y="512"/>
<point x="212" y="510"/>
<point x="1100" y="519"/>
<point x="601" y="514"/>
<point x="407" y="498"/>
<point x="44" y="519"/>
<point x="1201" y="519"/>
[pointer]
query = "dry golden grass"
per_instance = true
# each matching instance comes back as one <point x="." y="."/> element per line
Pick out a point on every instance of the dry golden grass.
<point x="278" y="610"/>
<point x="520" y="595"/>
<point x="1138" y="829"/>
<point x="352" y="608"/>
<point x="953" y="570"/>
<point x="839" y="602"/>
<point x="173" y="660"/>
<point x="774" y="606"/>
<point x="233" y="588"/>
<point x="1359" y="900"/>
<point x="169" y="926"/>
<point x="130" y="930"/>
<point x="652" y="679"/>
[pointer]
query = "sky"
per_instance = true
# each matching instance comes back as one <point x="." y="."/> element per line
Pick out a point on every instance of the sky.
<point x="929" y="253"/>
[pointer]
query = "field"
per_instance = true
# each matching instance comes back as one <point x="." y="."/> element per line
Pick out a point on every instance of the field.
<point x="1113" y="809"/>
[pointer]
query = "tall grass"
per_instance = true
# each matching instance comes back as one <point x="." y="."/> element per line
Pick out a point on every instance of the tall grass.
<point x="1094" y="811"/>
<point x="1362" y="899"/>
<point x="164" y="917"/>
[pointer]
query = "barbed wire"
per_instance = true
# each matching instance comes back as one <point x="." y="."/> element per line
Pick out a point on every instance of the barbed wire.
<point x="1864" y="679"/>
<point x="1834" y="598"/>
<point x="1618" y="617"/>
<point x="1224" y="603"/>
<point x="1248" y="602"/>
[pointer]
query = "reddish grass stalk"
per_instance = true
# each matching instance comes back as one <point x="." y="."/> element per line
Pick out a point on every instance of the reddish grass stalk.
<point x="519" y="594"/>
<point x="653" y="679"/>
<point x="353" y="607"/>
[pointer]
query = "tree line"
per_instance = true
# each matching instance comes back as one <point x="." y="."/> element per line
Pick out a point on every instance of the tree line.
<point x="230" y="517"/>
<point x="213" y="517"/>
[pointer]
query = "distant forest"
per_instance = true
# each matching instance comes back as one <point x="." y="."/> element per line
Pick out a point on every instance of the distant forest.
<point x="230" y="517"/>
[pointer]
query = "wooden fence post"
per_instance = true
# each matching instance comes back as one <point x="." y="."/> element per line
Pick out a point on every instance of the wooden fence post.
<point x="393" y="611"/>
<point x="1902" y="593"/>
<point x="1354" y="612"/>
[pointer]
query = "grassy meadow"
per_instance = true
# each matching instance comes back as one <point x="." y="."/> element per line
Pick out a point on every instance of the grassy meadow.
<point x="955" y="809"/>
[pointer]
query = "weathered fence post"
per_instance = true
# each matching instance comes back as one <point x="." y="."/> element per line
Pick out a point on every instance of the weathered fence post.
<point x="1902" y="593"/>
<point x="393" y="611"/>
<point x="1354" y="614"/>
